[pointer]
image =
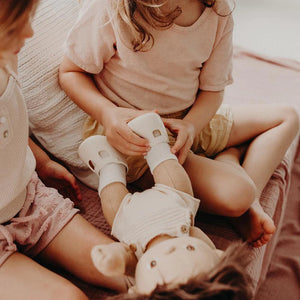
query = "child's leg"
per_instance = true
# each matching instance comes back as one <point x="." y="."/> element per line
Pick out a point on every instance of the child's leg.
<point x="71" y="249"/>
<point x="163" y="164"/>
<point x="23" y="278"/>
<point x="272" y="129"/>
<point x="224" y="189"/>
<point x="228" y="190"/>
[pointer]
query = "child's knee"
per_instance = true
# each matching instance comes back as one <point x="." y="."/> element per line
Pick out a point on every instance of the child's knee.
<point x="237" y="197"/>
<point x="70" y="291"/>
<point x="291" y="116"/>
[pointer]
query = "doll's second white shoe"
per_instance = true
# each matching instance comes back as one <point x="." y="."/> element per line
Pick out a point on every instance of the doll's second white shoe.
<point x="151" y="127"/>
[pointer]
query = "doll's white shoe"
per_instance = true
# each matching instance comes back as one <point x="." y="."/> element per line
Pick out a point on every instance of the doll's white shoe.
<point x="151" y="127"/>
<point x="104" y="160"/>
<point x="96" y="152"/>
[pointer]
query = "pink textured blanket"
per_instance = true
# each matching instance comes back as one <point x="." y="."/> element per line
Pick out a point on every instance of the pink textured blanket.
<point x="257" y="79"/>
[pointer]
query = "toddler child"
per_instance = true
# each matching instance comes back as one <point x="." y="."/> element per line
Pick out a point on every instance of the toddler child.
<point x="35" y="220"/>
<point x="126" y="58"/>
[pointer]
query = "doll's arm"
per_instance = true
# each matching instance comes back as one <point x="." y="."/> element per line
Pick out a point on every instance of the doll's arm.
<point x="114" y="259"/>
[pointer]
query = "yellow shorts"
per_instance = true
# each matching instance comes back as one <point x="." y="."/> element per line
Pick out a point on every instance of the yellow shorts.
<point x="212" y="139"/>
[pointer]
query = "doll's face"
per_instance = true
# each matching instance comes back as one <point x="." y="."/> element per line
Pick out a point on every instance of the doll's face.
<point x="174" y="262"/>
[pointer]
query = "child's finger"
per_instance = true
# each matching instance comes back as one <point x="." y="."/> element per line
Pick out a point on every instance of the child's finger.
<point x="180" y="142"/>
<point x="183" y="154"/>
<point x="126" y="147"/>
<point x="73" y="183"/>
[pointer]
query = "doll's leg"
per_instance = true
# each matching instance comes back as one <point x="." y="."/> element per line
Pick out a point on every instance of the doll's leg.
<point x="163" y="164"/>
<point x="115" y="258"/>
<point x="110" y="165"/>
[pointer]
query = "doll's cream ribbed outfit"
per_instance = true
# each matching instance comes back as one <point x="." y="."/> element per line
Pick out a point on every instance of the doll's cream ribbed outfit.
<point x="161" y="210"/>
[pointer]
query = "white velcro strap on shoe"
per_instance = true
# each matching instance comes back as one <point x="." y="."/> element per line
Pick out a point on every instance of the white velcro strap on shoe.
<point x="96" y="152"/>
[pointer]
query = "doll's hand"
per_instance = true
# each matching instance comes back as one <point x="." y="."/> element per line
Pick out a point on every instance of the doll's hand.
<point x="119" y="135"/>
<point x="185" y="132"/>
<point x="114" y="259"/>
<point x="55" y="175"/>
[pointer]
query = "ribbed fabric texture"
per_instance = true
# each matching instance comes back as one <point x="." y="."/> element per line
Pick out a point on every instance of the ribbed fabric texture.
<point x="54" y="119"/>
<point x="16" y="159"/>
<point x="160" y="210"/>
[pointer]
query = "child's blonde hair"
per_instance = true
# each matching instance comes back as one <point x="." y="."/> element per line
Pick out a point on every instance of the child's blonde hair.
<point x="12" y="10"/>
<point x="129" y="11"/>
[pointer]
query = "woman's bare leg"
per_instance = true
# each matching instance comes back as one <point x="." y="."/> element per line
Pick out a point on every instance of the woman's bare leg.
<point x="23" y="278"/>
<point x="71" y="250"/>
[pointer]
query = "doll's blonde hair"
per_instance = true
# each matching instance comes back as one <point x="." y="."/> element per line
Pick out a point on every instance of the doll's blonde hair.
<point x="131" y="12"/>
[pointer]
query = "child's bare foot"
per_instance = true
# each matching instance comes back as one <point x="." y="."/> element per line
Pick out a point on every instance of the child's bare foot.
<point x="255" y="226"/>
<point x="114" y="259"/>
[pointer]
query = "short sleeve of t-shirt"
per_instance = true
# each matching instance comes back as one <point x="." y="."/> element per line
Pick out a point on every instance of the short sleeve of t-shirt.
<point x="216" y="72"/>
<point x="90" y="43"/>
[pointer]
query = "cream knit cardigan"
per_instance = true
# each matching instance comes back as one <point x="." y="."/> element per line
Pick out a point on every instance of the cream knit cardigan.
<point x="54" y="119"/>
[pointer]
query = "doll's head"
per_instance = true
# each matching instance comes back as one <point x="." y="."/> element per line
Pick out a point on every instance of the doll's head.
<point x="228" y="279"/>
<point x="15" y="24"/>
<point x="173" y="262"/>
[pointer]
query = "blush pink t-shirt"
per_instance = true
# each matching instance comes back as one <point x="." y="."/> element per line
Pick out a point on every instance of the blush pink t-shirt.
<point x="169" y="75"/>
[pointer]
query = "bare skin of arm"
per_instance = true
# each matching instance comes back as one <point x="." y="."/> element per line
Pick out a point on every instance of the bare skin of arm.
<point x="80" y="87"/>
<point x="202" y="111"/>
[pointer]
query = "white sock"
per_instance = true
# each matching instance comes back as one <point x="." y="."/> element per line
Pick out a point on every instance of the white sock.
<point x="110" y="173"/>
<point x="158" y="154"/>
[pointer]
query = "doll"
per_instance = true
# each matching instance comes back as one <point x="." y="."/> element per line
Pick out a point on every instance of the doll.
<point x="158" y="242"/>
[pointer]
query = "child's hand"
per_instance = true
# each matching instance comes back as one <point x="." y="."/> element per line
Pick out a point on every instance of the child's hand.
<point x="120" y="136"/>
<point x="185" y="132"/>
<point x="55" y="175"/>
